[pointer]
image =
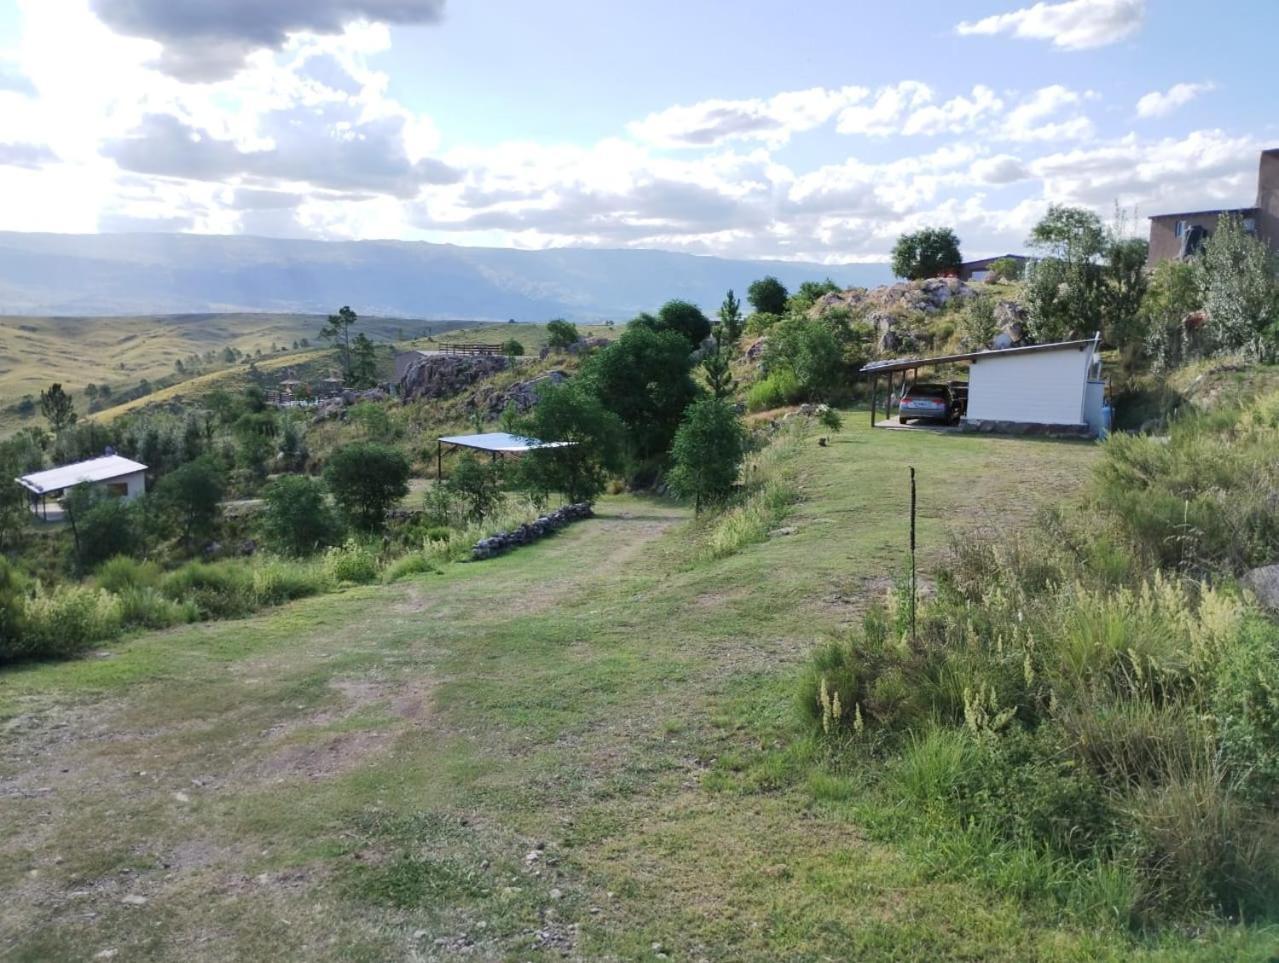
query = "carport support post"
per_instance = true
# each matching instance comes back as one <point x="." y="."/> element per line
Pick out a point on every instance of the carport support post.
<point x="439" y="461"/>
<point x="874" y="397"/>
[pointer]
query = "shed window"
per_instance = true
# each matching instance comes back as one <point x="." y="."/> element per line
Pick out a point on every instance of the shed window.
<point x="1180" y="229"/>
<point x="1250" y="225"/>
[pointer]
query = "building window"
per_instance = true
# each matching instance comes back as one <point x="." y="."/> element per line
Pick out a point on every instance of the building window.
<point x="1250" y="225"/>
<point x="1180" y="229"/>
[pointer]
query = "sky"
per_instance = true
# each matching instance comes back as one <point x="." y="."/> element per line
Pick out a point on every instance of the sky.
<point x="812" y="130"/>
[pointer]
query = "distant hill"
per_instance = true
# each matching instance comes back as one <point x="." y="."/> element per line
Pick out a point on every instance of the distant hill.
<point x="133" y="274"/>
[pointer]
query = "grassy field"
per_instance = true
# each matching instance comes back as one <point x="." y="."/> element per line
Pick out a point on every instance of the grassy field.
<point x="566" y="752"/>
<point x="235" y="378"/>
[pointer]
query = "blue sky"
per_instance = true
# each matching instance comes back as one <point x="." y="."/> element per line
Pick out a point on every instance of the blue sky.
<point x="815" y="130"/>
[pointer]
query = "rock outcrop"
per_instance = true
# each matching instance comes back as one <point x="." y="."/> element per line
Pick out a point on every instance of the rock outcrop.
<point x="1264" y="583"/>
<point x="927" y="296"/>
<point x="531" y="531"/>
<point x="443" y="376"/>
<point x="521" y="396"/>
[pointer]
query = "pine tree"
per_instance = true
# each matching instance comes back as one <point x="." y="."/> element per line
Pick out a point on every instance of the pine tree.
<point x="57" y="406"/>
<point x="337" y="331"/>
<point x="730" y="318"/>
<point x="715" y="366"/>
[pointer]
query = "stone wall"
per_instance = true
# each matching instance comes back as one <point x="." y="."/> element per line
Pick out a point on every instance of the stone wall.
<point x="993" y="427"/>
<point x="531" y="531"/>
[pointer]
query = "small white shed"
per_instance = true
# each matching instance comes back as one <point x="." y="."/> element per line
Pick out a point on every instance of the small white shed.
<point x="1039" y="385"/>
<point x="119" y="476"/>
<point x="1051" y="388"/>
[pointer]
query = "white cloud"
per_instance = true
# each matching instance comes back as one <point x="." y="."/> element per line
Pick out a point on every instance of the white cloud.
<point x="1040" y="117"/>
<point x="1203" y="169"/>
<point x="1161" y="103"/>
<point x="1000" y="169"/>
<point x="773" y="120"/>
<point x="206" y="40"/>
<point x="1072" y="25"/>
<point x="955" y="115"/>
<point x="886" y="114"/>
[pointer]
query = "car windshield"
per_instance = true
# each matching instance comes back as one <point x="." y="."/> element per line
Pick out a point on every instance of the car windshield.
<point x="926" y="391"/>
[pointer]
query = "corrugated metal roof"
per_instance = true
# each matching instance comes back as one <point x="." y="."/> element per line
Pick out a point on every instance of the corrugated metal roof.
<point x="500" y="441"/>
<point x="68" y="476"/>
<point x="905" y="364"/>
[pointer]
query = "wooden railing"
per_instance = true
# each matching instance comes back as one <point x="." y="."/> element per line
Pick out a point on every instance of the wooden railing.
<point x="471" y="349"/>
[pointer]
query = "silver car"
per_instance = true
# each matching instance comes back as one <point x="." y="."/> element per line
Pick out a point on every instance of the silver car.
<point x="935" y="402"/>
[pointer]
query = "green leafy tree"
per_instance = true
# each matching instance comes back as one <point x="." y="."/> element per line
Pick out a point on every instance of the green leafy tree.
<point x="373" y="421"/>
<point x="296" y="517"/>
<point x="102" y="526"/>
<point x="768" y="296"/>
<point x="255" y="433"/>
<point x="707" y="453"/>
<point x="477" y="486"/>
<point x="810" y="350"/>
<point x="730" y="319"/>
<point x="1173" y="293"/>
<point x="337" y="331"/>
<point x="644" y="377"/>
<point x="57" y="407"/>
<point x="512" y="348"/>
<point x="717" y="371"/>
<point x="1236" y="275"/>
<point x="686" y="319"/>
<point x="1065" y="288"/>
<point x="1071" y="234"/>
<point x="1125" y="283"/>
<point x="193" y="495"/>
<point x="808" y="294"/>
<point x="561" y="334"/>
<point x="571" y="412"/>
<point x="367" y="480"/>
<point x="16" y="457"/>
<point x="1006" y="269"/>
<point x="363" y="372"/>
<point x="926" y="253"/>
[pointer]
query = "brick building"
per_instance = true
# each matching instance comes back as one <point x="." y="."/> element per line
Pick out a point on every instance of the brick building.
<point x="1180" y="235"/>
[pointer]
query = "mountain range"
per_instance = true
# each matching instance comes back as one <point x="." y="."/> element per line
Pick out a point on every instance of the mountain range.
<point x="106" y="274"/>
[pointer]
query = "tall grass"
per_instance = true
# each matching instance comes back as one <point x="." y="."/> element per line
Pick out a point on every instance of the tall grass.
<point x="770" y="489"/>
<point x="1089" y="708"/>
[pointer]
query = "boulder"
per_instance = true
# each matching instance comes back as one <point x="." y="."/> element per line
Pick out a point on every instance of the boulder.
<point x="521" y="396"/>
<point x="443" y="376"/>
<point x="1264" y="583"/>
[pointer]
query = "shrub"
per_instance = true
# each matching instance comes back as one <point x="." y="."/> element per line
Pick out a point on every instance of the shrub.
<point x="280" y="580"/>
<point x="352" y="562"/>
<point x="777" y="389"/>
<point x="406" y="565"/>
<point x="147" y="607"/>
<point x="219" y="590"/>
<point x="1203" y="501"/>
<point x="1200" y="847"/>
<point x="13" y="590"/>
<point x="296" y="518"/>
<point x="367" y="480"/>
<point x="121" y="573"/>
<point x="65" y="621"/>
<point x="476" y="486"/>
